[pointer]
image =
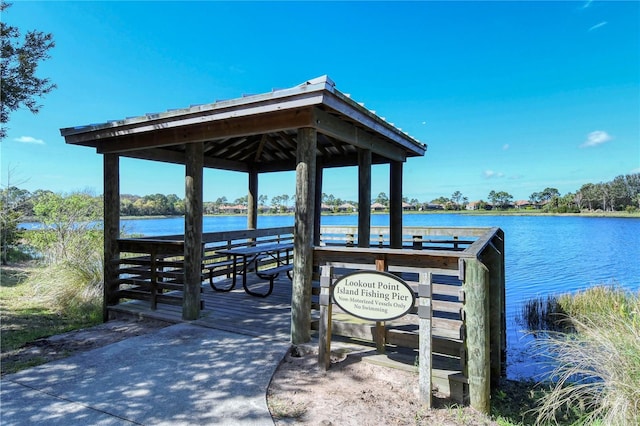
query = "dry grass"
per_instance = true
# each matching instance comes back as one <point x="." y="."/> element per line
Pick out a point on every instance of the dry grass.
<point x="596" y="374"/>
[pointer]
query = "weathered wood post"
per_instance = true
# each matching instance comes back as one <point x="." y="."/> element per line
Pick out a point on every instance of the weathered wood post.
<point x="193" y="231"/>
<point x="380" y="335"/>
<point x="425" y="361"/>
<point x="492" y="258"/>
<point x="364" y="198"/>
<point x="325" y="322"/>
<point x="318" y="203"/>
<point x="111" y="196"/>
<point x="476" y="308"/>
<point x="395" y="204"/>
<point x="252" y="200"/>
<point x="303" y="236"/>
<point x="499" y="243"/>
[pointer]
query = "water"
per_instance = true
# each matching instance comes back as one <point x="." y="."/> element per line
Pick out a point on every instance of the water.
<point x="543" y="255"/>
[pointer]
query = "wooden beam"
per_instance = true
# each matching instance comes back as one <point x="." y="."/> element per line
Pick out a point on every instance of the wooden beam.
<point x="179" y="157"/>
<point x="263" y="140"/>
<point x="193" y="231"/>
<point x="348" y="132"/>
<point x="111" y="197"/>
<point x="303" y="236"/>
<point x="364" y="197"/>
<point x="201" y="132"/>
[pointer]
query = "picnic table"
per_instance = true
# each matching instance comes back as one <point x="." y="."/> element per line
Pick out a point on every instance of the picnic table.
<point x="258" y="253"/>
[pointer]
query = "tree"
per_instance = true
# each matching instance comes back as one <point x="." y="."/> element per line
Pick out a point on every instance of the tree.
<point x="493" y="198"/>
<point x="500" y="199"/>
<point x="382" y="199"/>
<point x="19" y="85"/>
<point x="71" y="223"/>
<point x="13" y="204"/>
<point x="455" y="199"/>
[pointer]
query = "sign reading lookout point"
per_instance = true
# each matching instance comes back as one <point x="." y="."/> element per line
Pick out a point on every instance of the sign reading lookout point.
<point x="376" y="296"/>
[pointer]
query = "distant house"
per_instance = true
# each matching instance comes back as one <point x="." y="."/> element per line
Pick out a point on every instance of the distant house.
<point x="434" y="206"/>
<point x="326" y="207"/>
<point x="233" y="209"/>
<point x="407" y="206"/>
<point x="474" y="205"/>
<point x="479" y="205"/>
<point x="523" y="204"/>
<point x="347" y="207"/>
<point x="378" y="207"/>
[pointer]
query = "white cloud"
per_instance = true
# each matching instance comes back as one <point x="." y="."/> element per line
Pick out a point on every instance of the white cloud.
<point x="489" y="174"/>
<point x="29" y="139"/>
<point x="596" y="26"/>
<point x="596" y="138"/>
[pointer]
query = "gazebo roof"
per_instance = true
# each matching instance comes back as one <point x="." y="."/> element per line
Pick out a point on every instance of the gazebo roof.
<point x="256" y="132"/>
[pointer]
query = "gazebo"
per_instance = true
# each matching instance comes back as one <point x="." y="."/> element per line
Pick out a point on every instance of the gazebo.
<point x="305" y="128"/>
<point x="456" y="273"/>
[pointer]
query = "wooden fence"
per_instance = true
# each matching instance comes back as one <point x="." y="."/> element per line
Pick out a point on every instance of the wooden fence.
<point x="458" y="277"/>
<point x="152" y="269"/>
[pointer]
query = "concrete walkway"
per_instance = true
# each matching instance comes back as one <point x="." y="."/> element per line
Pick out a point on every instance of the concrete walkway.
<point x="179" y="375"/>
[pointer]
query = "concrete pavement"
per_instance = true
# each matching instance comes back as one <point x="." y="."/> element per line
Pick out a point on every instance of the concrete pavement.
<point x="179" y="375"/>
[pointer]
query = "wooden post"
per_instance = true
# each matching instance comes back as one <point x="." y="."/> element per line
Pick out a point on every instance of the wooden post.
<point x="395" y="204"/>
<point x="476" y="288"/>
<point x="424" y="347"/>
<point x="381" y="328"/>
<point x="193" y="231"/>
<point x="303" y="236"/>
<point x="491" y="258"/>
<point x="318" y="202"/>
<point x="252" y="200"/>
<point x="364" y="198"/>
<point x="111" y="198"/>
<point x="325" y="322"/>
<point x="498" y="242"/>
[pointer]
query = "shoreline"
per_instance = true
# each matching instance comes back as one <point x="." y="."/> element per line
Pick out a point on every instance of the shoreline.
<point x="601" y="214"/>
<point x="626" y="215"/>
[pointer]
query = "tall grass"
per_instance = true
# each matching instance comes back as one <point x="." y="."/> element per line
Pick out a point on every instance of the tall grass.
<point x="70" y="280"/>
<point x="596" y="374"/>
<point x="72" y="289"/>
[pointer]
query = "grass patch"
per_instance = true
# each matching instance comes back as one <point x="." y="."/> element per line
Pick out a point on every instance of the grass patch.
<point x="30" y="310"/>
<point x="592" y="344"/>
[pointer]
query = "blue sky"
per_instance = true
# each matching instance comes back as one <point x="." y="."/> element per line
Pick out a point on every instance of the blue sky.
<point x="508" y="96"/>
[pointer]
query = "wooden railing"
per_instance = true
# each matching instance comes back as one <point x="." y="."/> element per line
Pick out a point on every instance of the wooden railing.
<point x="152" y="269"/>
<point x="419" y="238"/>
<point x="458" y="277"/>
<point x="457" y="274"/>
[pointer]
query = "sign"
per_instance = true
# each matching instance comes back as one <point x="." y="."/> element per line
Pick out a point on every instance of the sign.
<point x="375" y="296"/>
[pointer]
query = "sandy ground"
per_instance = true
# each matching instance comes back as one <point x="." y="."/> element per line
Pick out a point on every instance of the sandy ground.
<point x="351" y="392"/>
<point x="355" y="392"/>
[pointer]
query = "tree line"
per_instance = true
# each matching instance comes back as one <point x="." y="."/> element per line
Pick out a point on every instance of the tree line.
<point x="19" y="205"/>
<point x="620" y="194"/>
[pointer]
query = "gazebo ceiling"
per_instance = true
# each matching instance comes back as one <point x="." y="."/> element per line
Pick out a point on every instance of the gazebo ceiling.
<point x="256" y="132"/>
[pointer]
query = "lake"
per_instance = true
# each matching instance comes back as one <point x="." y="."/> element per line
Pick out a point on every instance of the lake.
<point x="543" y="255"/>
